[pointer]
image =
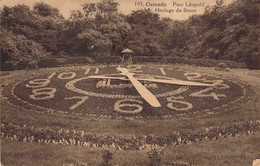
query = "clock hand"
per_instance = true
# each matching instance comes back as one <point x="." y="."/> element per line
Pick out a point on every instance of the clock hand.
<point x="142" y="90"/>
<point x="176" y="82"/>
<point x="173" y="81"/>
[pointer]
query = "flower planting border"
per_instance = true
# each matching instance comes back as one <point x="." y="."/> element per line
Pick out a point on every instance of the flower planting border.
<point x="46" y="135"/>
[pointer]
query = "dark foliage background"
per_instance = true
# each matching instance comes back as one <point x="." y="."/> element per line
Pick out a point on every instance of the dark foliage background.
<point x="222" y="33"/>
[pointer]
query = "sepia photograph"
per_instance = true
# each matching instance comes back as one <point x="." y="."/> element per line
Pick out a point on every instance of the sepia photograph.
<point x="130" y="83"/>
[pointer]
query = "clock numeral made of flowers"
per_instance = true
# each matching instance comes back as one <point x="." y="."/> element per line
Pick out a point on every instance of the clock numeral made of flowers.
<point x="39" y="89"/>
<point x="207" y="92"/>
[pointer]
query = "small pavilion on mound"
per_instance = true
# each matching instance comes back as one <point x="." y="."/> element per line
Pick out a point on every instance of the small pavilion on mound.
<point x="127" y="56"/>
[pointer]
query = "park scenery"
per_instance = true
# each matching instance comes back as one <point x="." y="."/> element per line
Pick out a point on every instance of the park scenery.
<point x="105" y="87"/>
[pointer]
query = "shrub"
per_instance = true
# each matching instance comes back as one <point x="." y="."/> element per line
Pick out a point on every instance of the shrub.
<point x="19" y="48"/>
<point x="79" y="60"/>
<point x="155" y="157"/>
<point x="107" y="59"/>
<point x="107" y="156"/>
<point x="45" y="63"/>
<point x="9" y="65"/>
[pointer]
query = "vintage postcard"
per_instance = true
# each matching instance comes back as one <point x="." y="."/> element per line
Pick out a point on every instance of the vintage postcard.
<point x="130" y="82"/>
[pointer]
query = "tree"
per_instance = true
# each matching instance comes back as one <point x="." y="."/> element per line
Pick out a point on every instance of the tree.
<point x="18" y="47"/>
<point x="45" y="10"/>
<point x="43" y="24"/>
<point x="227" y="32"/>
<point x="101" y="28"/>
<point x="147" y="34"/>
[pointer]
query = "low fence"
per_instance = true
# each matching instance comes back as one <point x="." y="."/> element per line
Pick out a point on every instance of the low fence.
<point x="75" y="61"/>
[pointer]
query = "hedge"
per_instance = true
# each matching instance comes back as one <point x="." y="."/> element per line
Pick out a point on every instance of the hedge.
<point x="69" y="61"/>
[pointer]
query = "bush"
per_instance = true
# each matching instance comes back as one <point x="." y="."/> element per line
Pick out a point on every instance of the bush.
<point x="107" y="60"/>
<point x="107" y="156"/>
<point x="56" y="62"/>
<point x="19" y="48"/>
<point x="79" y="60"/>
<point x="185" y="60"/>
<point x="155" y="157"/>
<point x="45" y="63"/>
<point x="27" y="64"/>
<point x="9" y="66"/>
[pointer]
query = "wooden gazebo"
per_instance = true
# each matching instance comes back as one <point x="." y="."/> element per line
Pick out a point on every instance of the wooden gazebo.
<point x="127" y="56"/>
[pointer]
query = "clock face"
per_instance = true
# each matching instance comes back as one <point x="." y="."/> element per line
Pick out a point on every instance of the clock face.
<point x="93" y="91"/>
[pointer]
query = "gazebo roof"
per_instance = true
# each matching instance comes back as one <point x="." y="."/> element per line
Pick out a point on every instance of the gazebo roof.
<point x="127" y="51"/>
